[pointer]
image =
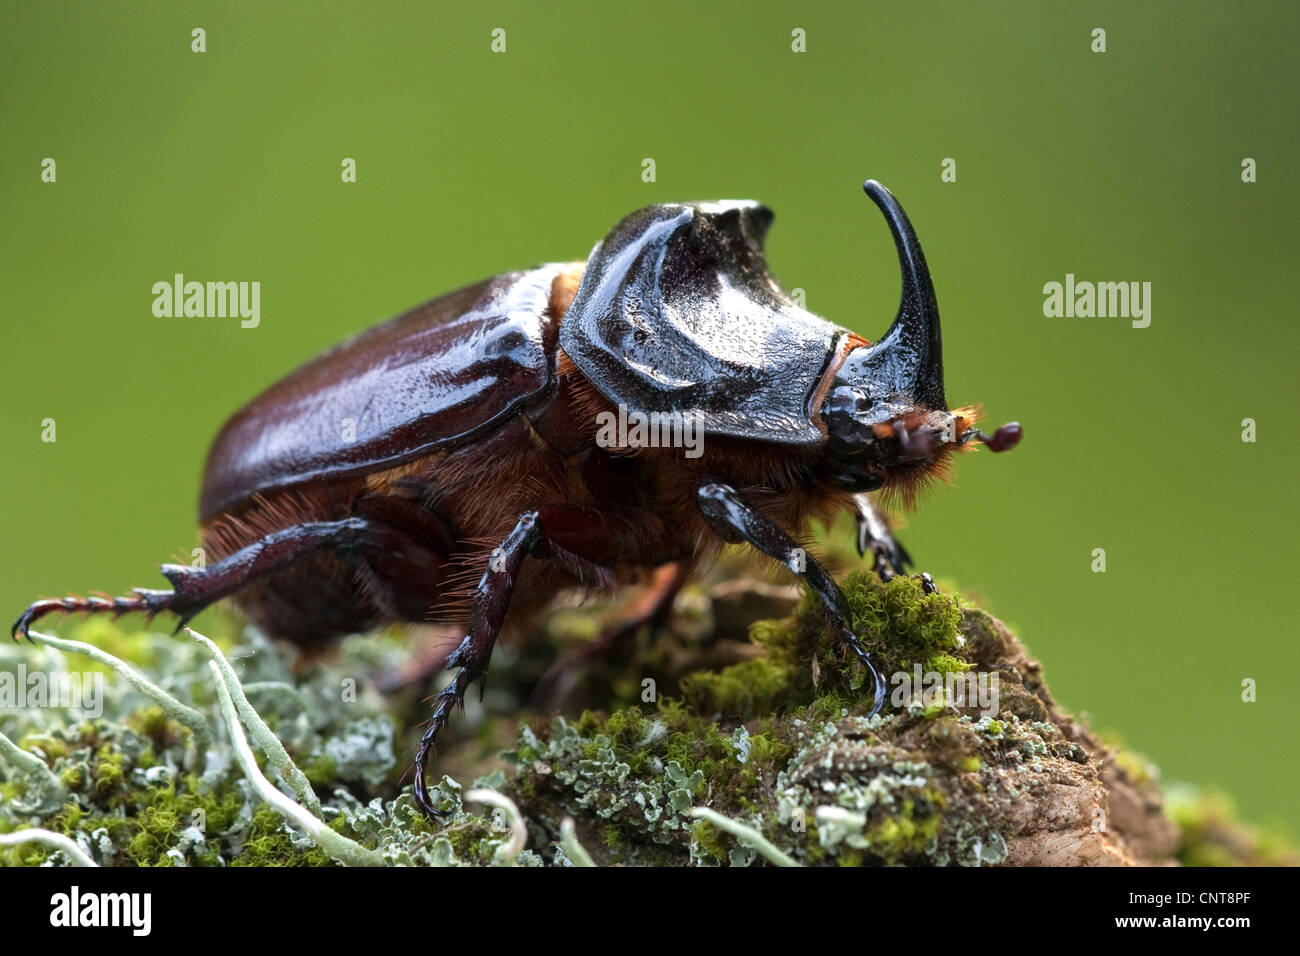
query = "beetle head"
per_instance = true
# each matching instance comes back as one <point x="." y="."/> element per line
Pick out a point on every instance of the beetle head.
<point x="886" y="415"/>
<point x="677" y="312"/>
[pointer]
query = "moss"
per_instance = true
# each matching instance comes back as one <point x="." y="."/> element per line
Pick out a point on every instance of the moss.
<point x="474" y="842"/>
<point x="901" y="838"/>
<point x="320" y="770"/>
<point x="45" y="746"/>
<point x="706" y="845"/>
<point x="898" y="623"/>
<point x="745" y="689"/>
<point x="1137" y="768"/>
<point x="785" y="746"/>
<point x="772" y="733"/>
<point x="74" y="777"/>
<point x="269" y="844"/>
<point x="161" y="731"/>
<point x="896" y="811"/>
<point x="1213" y="835"/>
<point x="158" y="827"/>
<point x="107" y="776"/>
<point x="29" y="854"/>
<point x="131" y="796"/>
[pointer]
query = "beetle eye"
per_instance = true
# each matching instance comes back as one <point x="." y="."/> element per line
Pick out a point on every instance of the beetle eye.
<point x="843" y="413"/>
<point x="848" y="400"/>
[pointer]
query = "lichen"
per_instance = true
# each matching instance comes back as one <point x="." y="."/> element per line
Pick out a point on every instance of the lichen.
<point x="785" y="745"/>
<point x="131" y="798"/>
<point x="744" y="753"/>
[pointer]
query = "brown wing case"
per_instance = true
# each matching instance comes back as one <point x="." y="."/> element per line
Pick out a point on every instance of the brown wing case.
<point x="439" y="374"/>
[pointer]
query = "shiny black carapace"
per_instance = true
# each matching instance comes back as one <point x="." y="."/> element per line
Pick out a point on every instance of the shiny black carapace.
<point x="407" y="474"/>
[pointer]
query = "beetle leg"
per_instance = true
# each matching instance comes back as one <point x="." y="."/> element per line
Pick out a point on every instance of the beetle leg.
<point x="488" y="611"/>
<point x="736" y="520"/>
<point x="193" y="589"/>
<point x="888" y="556"/>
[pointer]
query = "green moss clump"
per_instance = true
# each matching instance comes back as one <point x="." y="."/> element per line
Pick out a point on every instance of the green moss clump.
<point x="269" y="843"/>
<point x="107" y="776"/>
<point x="321" y="770"/>
<point x="897" y="622"/>
<point x="751" y="687"/>
<point x="781" y="742"/>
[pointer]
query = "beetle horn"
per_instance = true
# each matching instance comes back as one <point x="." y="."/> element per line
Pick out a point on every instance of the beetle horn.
<point x="909" y="358"/>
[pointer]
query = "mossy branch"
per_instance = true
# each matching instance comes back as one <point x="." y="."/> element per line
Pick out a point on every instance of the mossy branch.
<point x="335" y="844"/>
<point x="574" y="850"/>
<point x="507" y="854"/>
<point x="745" y="834"/>
<point x="39" y="777"/>
<point x="265" y="737"/>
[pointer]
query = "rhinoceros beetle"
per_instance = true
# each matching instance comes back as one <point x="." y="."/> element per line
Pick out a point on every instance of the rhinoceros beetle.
<point x="407" y="474"/>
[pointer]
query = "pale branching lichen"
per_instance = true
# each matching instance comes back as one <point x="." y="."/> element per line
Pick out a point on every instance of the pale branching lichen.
<point x="123" y="788"/>
<point x="755" y="752"/>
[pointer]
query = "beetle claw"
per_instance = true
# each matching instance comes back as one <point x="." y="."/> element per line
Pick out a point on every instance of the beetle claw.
<point x="877" y="678"/>
<point x="19" y="630"/>
<point x="451" y="696"/>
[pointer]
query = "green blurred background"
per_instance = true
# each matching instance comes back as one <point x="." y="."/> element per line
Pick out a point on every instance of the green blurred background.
<point x="1117" y="166"/>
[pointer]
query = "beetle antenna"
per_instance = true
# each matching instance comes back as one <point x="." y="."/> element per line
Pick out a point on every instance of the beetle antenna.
<point x="1004" y="439"/>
